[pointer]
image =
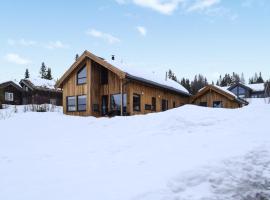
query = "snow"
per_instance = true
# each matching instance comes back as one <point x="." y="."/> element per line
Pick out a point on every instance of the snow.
<point x="226" y="91"/>
<point x="157" y="76"/>
<point x="257" y="87"/>
<point x="188" y="153"/>
<point x="39" y="82"/>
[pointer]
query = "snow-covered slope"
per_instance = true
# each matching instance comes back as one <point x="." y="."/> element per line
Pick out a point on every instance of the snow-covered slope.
<point x="187" y="153"/>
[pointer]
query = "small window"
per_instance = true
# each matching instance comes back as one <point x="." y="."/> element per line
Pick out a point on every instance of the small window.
<point x="164" y="105"/>
<point x="148" y="107"/>
<point x="217" y="104"/>
<point x="104" y="76"/>
<point x="81" y="103"/>
<point x="81" y="76"/>
<point x="174" y="105"/>
<point x="204" y="104"/>
<point x="136" y="102"/>
<point x="71" y="104"/>
<point x="95" y="107"/>
<point x="9" y="96"/>
<point x="154" y="104"/>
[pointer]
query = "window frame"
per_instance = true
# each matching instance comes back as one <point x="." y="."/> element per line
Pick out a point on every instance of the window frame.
<point x="166" y="104"/>
<point x="9" y="96"/>
<point x="124" y="99"/>
<point x="77" y="77"/>
<point x="67" y="105"/>
<point x="79" y="110"/>
<point x="139" y="106"/>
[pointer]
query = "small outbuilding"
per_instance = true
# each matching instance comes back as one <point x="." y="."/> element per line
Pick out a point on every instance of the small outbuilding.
<point x="217" y="97"/>
<point x="10" y="93"/>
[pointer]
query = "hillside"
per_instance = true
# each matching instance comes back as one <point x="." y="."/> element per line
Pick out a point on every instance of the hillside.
<point x="188" y="153"/>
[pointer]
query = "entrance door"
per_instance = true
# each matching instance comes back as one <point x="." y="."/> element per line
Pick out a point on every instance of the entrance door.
<point x="104" y="105"/>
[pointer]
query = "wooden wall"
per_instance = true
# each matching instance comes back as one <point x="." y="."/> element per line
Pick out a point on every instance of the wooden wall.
<point x="147" y="92"/>
<point x="17" y="95"/>
<point x="210" y="96"/>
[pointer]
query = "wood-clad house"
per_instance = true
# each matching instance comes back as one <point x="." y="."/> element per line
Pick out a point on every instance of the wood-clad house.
<point x="10" y="93"/>
<point x="40" y="91"/>
<point x="217" y="97"/>
<point x="241" y="90"/>
<point x="94" y="87"/>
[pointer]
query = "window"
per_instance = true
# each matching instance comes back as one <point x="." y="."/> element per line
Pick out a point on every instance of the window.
<point x="104" y="76"/>
<point x="154" y="103"/>
<point x="204" y="104"/>
<point x="148" y="107"/>
<point x="9" y="96"/>
<point x="81" y="103"/>
<point x="174" y="106"/>
<point x="136" y="102"/>
<point x="95" y="107"/>
<point x="217" y="104"/>
<point x="71" y="104"/>
<point x="164" y="105"/>
<point x="81" y="76"/>
<point x="116" y="103"/>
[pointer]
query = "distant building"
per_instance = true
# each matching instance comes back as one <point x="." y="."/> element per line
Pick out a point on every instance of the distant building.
<point x="248" y="90"/>
<point x="217" y="97"/>
<point x="30" y="91"/>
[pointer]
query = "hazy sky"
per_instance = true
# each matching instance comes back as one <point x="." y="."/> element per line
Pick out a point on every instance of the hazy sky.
<point x="211" y="37"/>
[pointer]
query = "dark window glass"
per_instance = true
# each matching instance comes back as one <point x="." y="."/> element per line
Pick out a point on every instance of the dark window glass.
<point x="95" y="107"/>
<point x="217" y="104"/>
<point x="164" y="105"/>
<point x="154" y="104"/>
<point x="71" y="104"/>
<point x="242" y="91"/>
<point x="82" y="103"/>
<point x="148" y="107"/>
<point x="81" y="76"/>
<point x="116" y="103"/>
<point x="136" y="102"/>
<point x="174" y="104"/>
<point x="104" y="76"/>
<point x="204" y="104"/>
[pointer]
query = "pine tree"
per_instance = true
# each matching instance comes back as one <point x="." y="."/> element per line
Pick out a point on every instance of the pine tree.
<point x="260" y="79"/>
<point x="26" y="74"/>
<point x="49" y="74"/>
<point x="43" y="70"/>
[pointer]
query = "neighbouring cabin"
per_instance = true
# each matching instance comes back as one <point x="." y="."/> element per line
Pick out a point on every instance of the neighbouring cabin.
<point x="38" y="91"/>
<point x="10" y="93"/>
<point x="217" y="97"/>
<point x="248" y="91"/>
<point x="94" y="87"/>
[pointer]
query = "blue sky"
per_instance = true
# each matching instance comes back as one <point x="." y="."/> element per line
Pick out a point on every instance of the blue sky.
<point x="211" y="37"/>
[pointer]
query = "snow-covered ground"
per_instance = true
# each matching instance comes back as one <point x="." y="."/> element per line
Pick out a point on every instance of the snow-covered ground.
<point x="188" y="153"/>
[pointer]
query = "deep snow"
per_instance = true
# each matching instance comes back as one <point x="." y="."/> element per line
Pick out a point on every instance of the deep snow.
<point x="186" y="153"/>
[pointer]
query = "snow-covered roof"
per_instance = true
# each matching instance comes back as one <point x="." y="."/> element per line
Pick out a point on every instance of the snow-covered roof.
<point x="225" y="89"/>
<point x="157" y="76"/>
<point x="39" y="82"/>
<point x="256" y="87"/>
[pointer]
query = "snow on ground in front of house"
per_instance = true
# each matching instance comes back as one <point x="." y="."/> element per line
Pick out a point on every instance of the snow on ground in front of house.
<point x="188" y="153"/>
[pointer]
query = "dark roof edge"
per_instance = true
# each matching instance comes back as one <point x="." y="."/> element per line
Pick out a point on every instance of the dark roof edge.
<point x="11" y="83"/>
<point x="129" y="76"/>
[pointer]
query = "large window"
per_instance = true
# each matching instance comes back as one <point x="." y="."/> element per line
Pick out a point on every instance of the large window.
<point x="81" y="76"/>
<point x="154" y="104"/>
<point x="104" y="76"/>
<point x="71" y="104"/>
<point x="9" y="96"/>
<point x="81" y="103"/>
<point x="116" y="103"/>
<point x="164" y="105"/>
<point x="136" y="102"/>
<point x="217" y="104"/>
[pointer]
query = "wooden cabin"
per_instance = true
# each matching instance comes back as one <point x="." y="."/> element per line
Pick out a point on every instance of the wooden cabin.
<point x="10" y="93"/>
<point x="217" y="97"/>
<point x="36" y="91"/>
<point x="95" y="87"/>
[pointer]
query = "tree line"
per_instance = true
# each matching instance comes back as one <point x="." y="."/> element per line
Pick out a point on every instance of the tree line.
<point x="199" y="81"/>
<point x="45" y="73"/>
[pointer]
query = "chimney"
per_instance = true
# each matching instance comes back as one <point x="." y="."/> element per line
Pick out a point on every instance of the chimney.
<point x="113" y="57"/>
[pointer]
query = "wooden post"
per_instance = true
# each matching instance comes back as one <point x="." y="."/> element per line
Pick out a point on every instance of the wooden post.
<point x="121" y="90"/>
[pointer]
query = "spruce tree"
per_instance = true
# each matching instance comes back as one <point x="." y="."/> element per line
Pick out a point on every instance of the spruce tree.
<point x="242" y="79"/>
<point x="43" y="70"/>
<point x="26" y="74"/>
<point x="49" y="74"/>
<point x="260" y="79"/>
